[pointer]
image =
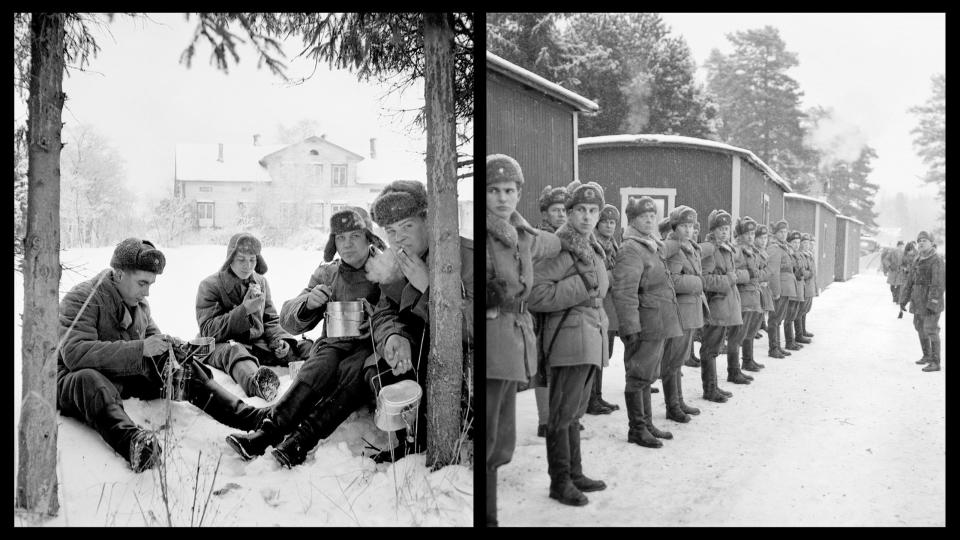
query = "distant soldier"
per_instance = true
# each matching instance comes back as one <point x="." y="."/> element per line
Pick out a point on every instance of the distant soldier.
<point x="649" y="315"/>
<point x="682" y="257"/>
<point x="693" y="361"/>
<point x="569" y="289"/>
<point x="751" y="306"/>
<point x="891" y="260"/>
<point x="783" y="285"/>
<point x="761" y="237"/>
<point x="605" y="231"/>
<point x="800" y="273"/>
<point x="810" y="288"/>
<point x="512" y="248"/>
<point x="924" y="290"/>
<point x="723" y="298"/>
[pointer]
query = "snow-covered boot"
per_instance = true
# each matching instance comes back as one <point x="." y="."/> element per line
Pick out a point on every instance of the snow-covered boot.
<point x="136" y="445"/>
<point x="638" y="433"/>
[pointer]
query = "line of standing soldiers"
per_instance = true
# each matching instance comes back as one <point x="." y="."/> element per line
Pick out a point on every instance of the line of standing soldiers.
<point x="655" y="289"/>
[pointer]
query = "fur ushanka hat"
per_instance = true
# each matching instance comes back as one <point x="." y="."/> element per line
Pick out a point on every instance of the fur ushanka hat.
<point x="137" y="254"/>
<point x="638" y="206"/>
<point x="745" y="225"/>
<point x="351" y="219"/>
<point x="401" y="199"/>
<point x="683" y="214"/>
<point x="248" y="244"/>
<point x="718" y="218"/>
<point x="551" y="196"/>
<point x="589" y="193"/>
<point x="503" y="168"/>
<point x="610" y="211"/>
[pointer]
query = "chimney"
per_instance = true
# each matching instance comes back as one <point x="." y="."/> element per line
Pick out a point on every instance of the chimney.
<point x="256" y="139"/>
<point x="220" y="152"/>
<point x="373" y="148"/>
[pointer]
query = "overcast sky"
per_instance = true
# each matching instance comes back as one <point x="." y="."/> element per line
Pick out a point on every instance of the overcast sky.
<point x="869" y="68"/>
<point x="138" y="95"/>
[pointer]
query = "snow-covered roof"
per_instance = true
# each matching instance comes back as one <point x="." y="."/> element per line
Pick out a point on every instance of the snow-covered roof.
<point x="848" y="218"/>
<point x="200" y="162"/>
<point x="313" y="139"/>
<point x="533" y="80"/>
<point x="390" y="166"/>
<point x="811" y="199"/>
<point x="679" y="141"/>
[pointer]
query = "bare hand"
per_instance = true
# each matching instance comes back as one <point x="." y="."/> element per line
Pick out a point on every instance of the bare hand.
<point x="253" y="304"/>
<point x="155" y="345"/>
<point x="397" y="354"/>
<point x="282" y="349"/>
<point x="414" y="269"/>
<point x="318" y="296"/>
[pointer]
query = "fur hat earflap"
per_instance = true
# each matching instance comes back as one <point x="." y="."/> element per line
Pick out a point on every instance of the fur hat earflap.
<point x="745" y="225"/>
<point x="351" y="219"/>
<point x="248" y="244"/>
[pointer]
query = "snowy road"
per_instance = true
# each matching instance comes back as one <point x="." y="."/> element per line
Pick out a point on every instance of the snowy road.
<point x="847" y="432"/>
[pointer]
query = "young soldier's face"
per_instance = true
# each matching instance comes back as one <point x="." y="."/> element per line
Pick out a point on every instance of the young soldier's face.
<point x="795" y="244"/>
<point x="805" y="245"/>
<point x="781" y="235"/>
<point x="646" y="222"/>
<point x="556" y="215"/>
<point x="353" y="247"/>
<point x="583" y="217"/>
<point x="684" y="231"/>
<point x="924" y="244"/>
<point x="761" y="241"/>
<point x="134" y="285"/>
<point x="502" y="198"/>
<point x="606" y="227"/>
<point x="243" y="264"/>
<point x="722" y="233"/>
<point x="411" y="234"/>
<point x="747" y="237"/>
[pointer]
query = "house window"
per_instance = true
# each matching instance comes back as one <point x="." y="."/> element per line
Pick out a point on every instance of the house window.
<point x="287" y="209"/>
<point x="205" y="211"/>
<point x="317" y="173"/>
<point x="314" y="153"/>
<point x="765" y="209"/>
<point x="246" y="188"/>
<point x="316" y="214"/>
<point x="338" y="174"/>
<point x="206" y="189"/>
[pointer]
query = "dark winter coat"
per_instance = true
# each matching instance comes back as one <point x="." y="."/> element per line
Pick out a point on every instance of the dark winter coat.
<point x="892" y="260"/>
<point x="643" y="289"/>
<point x="347" y="284"/>
<point x="780" y="275"/>
<point x="610" y="247"/>
<point x="746" y="261"/>
<point x="512" y="249"/>
<point x="220" y="312"/>
<point x="107" y="335"/>
<point x="800" y="272"/>
<point x="810" y="282"/>
<point x="683" y="262"/>
<point x="561" y="284"/>
<point x="925" y="285"/>
<point x="766" y="298"/>
<point x="720" y="278"/>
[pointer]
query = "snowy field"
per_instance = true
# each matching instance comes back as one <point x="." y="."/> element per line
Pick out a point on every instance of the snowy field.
<point x="847" y="432"/>
<point x="338" y="485"/>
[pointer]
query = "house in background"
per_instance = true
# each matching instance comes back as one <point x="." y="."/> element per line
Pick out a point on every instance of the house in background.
<point x="284" y="187"/>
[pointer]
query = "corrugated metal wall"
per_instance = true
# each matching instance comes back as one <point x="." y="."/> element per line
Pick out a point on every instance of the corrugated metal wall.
<point x="753" y="185"/>
<point x="702" y="178"/>
<point x="853" y="248"/>
<point x="536" y="131"/>
<point x="801" y="215"/>
<point x="844" y="266"/>
<point x="827" y="247"/>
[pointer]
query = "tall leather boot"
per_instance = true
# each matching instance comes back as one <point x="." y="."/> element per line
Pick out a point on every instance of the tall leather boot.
<point x="798" y="330"/>
<point x="138" y="446"/>
<point x="280" y="420"/>
<point x="708" y="369"/>
<point x="773" y="338"/>
<point x="580" y="480"/>
<point x="683" y="406"/>
<point x="749" y="364"/>
<point x="599" y="386"/>
<point x="791" y="343"/>
<point x="803" y="324"/>
<point x="558" y="455"/>
<point x="925" y="345"/>
<point x="220" y="404"/>
<point x="648" y="417"/>
<point x="542" y="396"/>
<point x="934" y="364"/>
<point x="594" y="405"/>
<point x="319" y="424"/>
<point x="492" y="499"/>
<point x="672" y="400"/>
<point x="638" y="433"/>
<point x="734" y="374"/>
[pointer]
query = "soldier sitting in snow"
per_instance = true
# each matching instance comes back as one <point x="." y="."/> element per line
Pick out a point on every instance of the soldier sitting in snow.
<point x="111" y="350"/>
<point x="234" y="307"/>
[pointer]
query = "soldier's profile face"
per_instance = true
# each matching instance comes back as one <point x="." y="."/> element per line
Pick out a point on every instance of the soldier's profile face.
<point x="502" y="198"/>
<point x="411" y="234"/>
<point x="583" y="217"/>
<point x="134" y="285"/>
<point x="684" y="231"/>
<point x="556" y="215"/>
<point x="722" y="233"/>
<point x="606" y="227"/>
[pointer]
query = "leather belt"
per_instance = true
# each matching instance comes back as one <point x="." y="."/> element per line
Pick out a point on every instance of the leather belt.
<point x="592" y="302"/>
<point x="514" y="306"/>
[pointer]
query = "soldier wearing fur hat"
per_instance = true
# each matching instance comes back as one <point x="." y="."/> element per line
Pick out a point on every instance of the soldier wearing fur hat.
<point x="333" y="364"/>
<point x="720" y="278"/>
<point x="761" y="239"/>
<point x="751" y="306"/>
<point x="782" y="282"/>
<point x="568" y="290"/>
<point x="800" y="272"/>
<point x="235" y="308"/>
<point x="693" y="361"/>
<point x="553" y="208"/>
<point x="924" y="290"/>
<point x="513" y="246"/>
<point x="809" y="288"/>
<point x="682" y="257"/>
<point x="605" y="235"/>
<point x="113" y="350"/>
<point x="647" y="307"/>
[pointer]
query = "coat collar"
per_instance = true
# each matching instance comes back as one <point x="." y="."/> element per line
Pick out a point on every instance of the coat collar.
<point x="582" y="247"/>
<point x="922" y="256"/>
<point x="725" y="246"/>
<point x="648" y="240"/>
<point x="505" y="230"/>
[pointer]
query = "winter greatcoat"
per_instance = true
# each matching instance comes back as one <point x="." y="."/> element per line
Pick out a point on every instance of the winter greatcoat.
<point x="924" y="288"/>
<point x="892" y="261"/>
<point x="643" y="289"/>
<point x="810" y="282"/>
<point x="766" y="298"/>
<point x="746" y="261"/>
<point x="610" y="247"/>
<point x="782" y="281"/>
<point x="559" y="285"/>
<point x="513" y="247"/>
<point x="220" y="312"/>
<point x="683" y="262"/>
<point x="720" y="278"/>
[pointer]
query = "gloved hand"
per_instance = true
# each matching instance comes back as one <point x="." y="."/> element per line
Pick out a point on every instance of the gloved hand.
<point x="496" y="292"/>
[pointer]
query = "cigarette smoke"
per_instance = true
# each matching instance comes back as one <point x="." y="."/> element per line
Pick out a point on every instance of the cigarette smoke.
<point x="383" y="267"/>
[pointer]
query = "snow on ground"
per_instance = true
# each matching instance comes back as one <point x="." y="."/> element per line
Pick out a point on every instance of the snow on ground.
<point x="336" y="486"/>
<point x="847" y="432"/>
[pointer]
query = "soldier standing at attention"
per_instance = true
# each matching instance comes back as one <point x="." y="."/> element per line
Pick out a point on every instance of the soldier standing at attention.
<point x="751" y="309"/>
<point x="606" y="227"/>
<point x="924" y="290"/>
<point x="760" y="239"/>
<point x="682" y="257"/>
<point x="569" y="289"/>
<point x="809" y="288"/>
<point x="783" y="285"/>
<point x="720" y="283"/>
<point x="793" y="306"/>
<point x="649" y="315"/>
<point x="693" y="361"/>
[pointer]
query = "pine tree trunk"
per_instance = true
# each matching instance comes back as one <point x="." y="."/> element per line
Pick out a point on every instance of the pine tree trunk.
<point x="444" y="372"/>
<point x="37" y="440"/>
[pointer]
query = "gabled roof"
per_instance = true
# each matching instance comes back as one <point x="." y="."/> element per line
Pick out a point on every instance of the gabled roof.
<point x="807" y="198"/>
<point x="314" y="140"/>
<point x="199" y="162"/>
<point x="392" y="165"/>
<point x="848" y="218"/>
<point x="679" y="141"/>
<point x="531" y="79"/>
